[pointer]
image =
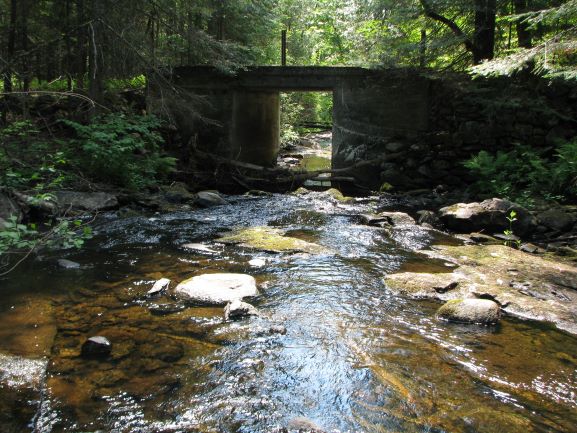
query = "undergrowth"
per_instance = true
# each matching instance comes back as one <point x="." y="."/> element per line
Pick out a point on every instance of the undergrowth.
<point x="525" y="174"/>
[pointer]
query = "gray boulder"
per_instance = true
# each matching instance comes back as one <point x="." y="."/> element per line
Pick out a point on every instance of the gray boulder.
<point x="488" y="216"/>
<point x="216" y="289"/>
<point x="238" y="310"/>
<point x="398" y="218"/>
<point x="557" y="219"/>
<point x="209" y="199"/>
<point x="482" y="311"/>
<point x="86" y="201"/>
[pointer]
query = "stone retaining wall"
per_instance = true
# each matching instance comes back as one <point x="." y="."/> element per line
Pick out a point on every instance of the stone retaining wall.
<point x="463" y="116"/>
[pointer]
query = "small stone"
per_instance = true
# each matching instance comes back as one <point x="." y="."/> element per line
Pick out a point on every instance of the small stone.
<point x="238" y="310"/>
<point x="481" y="311"/>
<point x="530" y="248"/>
<point x="277" y="329"/>
<point x="337" y="195"/>
<point x="68" y="264"/>
<point x="209" y="199"/>
<point x="301" y="191"/>
<point x="257" y="263"/>
<point x="96" y="347"/>
<point x="159" y="287"/>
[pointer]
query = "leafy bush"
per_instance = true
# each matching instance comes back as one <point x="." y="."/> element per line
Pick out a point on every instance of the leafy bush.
<point x="524" y="173"/>
<point x="120" y="149"/>
<point x="64" y="233"/>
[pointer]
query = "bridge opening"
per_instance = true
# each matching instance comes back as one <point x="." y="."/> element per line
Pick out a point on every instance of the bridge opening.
<point x="306" y="120"/>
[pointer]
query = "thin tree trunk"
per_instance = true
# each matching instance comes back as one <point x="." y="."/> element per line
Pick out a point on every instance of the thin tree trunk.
<point x="484" y="37"/>
<point x="524" y="37"/>
<point x="81" y="43"/>
<point x="24" y="39"/>
<point x="95" y="56"/>
<point x="11" y="46"/>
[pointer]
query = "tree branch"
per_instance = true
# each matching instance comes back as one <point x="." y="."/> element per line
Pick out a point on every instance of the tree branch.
<point x="429" y="12"/>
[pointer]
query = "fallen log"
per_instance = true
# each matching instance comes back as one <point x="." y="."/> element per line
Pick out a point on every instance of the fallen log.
<point x="252" y="176"/>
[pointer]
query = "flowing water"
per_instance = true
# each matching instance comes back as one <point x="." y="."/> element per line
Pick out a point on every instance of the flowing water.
<point x="355" y="357"/>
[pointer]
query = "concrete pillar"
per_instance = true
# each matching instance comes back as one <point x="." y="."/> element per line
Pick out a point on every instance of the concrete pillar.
<point x="255" y="129"/>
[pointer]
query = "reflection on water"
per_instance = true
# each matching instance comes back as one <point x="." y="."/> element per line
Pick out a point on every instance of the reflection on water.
<point x="354" y="358"/>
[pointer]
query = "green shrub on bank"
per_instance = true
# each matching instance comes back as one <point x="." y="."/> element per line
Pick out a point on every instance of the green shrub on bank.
<point x="121" y="150"/>
<point x="524" y="173"/>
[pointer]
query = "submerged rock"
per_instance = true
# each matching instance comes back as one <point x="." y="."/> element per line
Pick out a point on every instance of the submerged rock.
<point x="489" y="215"/>
<point x="199" y="247"/>
<point x="237" y="310"/>
<point x="490" y="271"/>
<point x="270" y="239"/>
<point x="89" y="201"/>
<point x="209" y="199"/>
<point x="68" y="264"/>
<point x="96" y="347"/>
<point x="216" y="289"/>
<point x="481" y="311"/>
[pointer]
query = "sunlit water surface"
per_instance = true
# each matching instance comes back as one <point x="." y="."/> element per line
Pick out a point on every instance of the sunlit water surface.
<point x="355" y="357"/>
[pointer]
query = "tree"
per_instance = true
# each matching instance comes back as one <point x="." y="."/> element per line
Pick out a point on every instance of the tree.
<point x="482" y="42"/>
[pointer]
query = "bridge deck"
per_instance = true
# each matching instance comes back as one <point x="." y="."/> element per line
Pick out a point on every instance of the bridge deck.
<point x="289" y="78"/>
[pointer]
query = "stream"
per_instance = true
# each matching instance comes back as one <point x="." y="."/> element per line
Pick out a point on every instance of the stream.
<point x="354" y="358"/>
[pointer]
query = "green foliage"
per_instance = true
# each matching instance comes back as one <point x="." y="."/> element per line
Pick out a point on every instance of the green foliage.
<point x="30" y="162"/>
<point x="524" y="173"/>
<point x="512" y="241"/>
<point x="16" y="237"/>
<point x="120" y="149"/>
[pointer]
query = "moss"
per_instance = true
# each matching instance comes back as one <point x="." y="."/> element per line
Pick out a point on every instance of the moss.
<point x="270" y="239"/>
<point x="337" y="195"/>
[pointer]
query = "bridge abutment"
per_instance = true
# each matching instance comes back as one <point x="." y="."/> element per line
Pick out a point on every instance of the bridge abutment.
<point x="255" y="127"/>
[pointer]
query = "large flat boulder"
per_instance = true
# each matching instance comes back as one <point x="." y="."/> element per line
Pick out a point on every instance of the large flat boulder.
<point x="87" y="201"/>
<point x="525" y="285"/>
<point x="271" y="240"/>
<point x="216" y="289"/>
<point x="487" y="216"/>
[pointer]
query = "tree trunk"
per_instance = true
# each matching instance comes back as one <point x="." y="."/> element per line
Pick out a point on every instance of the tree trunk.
<point x="484" y="37"/>
<point x="24" y="39"/>
<point x="95" y="55"/>
<point x="81" y="43"/>
<point x="524" y="37"/>
<point x="11" y="46"/>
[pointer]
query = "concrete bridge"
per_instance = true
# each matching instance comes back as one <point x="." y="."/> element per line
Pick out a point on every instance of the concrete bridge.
<point x="370" y="109"/>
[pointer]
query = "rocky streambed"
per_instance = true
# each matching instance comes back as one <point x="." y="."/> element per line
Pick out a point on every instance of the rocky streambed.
<point x="332" y="326"/>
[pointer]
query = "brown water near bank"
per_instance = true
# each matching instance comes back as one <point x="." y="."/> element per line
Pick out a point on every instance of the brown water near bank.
<point x="355" y="358"/>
